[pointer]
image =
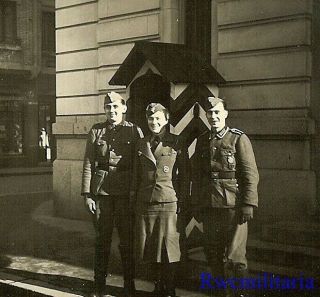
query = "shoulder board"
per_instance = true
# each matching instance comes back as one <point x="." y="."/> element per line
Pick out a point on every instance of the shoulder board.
<point x="99" y="125"/>
<point x="236" y="131"/>
<point x="128" y="124"/>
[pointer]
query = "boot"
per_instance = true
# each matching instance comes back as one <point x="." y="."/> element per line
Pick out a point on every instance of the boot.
<point x="168" y="274"/>
<point x="128" y="271"/>
<point x="100" y="272"/>
<point x="159" y="287"/>
<point x="99" y="289"/>
<point x="101" y="259"/>
<point x="241" y="271"/>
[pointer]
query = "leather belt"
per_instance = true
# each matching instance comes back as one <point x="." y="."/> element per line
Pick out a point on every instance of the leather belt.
<point x="223" y="174"/>
<point x="110" y="168"/>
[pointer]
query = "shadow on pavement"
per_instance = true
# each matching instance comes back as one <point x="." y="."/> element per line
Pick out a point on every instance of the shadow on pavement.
<point x="4" y="260"/>
<point x="10" y="291"/>
<point x="66" y="284"/>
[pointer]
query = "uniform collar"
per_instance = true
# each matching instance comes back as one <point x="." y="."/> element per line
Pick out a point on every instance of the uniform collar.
<point x="111" y="126"/>
<point x="159" y="136"/>
<point x="220" y="134"/>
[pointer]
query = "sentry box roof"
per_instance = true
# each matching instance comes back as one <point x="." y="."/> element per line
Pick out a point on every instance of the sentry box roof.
<point x="175" y="62"/>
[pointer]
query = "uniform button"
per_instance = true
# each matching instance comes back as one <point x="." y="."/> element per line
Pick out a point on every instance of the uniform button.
<point x="113" y="139"/>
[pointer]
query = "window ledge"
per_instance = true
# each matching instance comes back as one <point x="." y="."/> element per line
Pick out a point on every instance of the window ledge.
<point x="11" y="47"/>
<point x="26" y="171"/>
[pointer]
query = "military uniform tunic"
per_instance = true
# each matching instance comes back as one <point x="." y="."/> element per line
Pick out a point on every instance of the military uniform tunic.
<point x="108" y="160"/>
<point x="162" y="181"/>
<point x="107" y="176"/>
<point x="225" y="178"/>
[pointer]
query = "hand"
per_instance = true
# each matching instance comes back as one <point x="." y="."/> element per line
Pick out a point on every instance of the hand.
<point x="246" y="214"/>
<point x="178" y="207"/>
<point x="181" y="207"/>
<point x="90" y="204"/>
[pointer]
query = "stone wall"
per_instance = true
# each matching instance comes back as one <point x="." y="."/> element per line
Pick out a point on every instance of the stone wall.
<point x="265" y="54"/>
<point x="93" y="38"/>
<point x="262" y="48"/>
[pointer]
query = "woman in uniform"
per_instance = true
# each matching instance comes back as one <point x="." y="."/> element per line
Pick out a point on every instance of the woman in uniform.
<point x="161" y="191"/>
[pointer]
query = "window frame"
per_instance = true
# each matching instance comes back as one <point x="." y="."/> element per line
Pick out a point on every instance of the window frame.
<point x="21" y="111"/>
<point x="9" y="37"/>
<point x="48" y="46"/>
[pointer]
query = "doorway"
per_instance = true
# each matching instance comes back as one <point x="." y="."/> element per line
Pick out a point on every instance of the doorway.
<point x="148" y="88"/>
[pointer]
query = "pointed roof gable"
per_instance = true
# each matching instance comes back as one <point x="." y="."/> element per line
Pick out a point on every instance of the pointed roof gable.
<point x="175" y="62"/>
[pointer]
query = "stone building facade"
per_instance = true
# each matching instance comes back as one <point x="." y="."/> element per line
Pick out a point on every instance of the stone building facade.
<point x="267" y="51"/>
<point x="27" y="95"/>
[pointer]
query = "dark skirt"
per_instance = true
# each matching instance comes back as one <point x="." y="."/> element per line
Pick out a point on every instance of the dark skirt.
<point x="156" y="233"/>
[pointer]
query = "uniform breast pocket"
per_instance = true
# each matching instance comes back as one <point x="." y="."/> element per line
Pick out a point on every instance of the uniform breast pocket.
<point x="166" y="162"/>
<point x="101" y="148"/>
<point x="228" y="159"/>
<point x="123" y="148"/>
<point x="169" y="157"/>
<point x="97" y="181"/>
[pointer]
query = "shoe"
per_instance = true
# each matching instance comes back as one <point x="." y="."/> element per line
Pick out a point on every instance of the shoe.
<point x="159" y="290"/>
<point x="95" y="294"/>
<point x="98" y="292"/>
<point x="170" y="293"/>
<point x="129" y="288"/>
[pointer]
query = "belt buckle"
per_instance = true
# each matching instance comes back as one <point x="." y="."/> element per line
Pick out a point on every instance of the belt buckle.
<point x="214" y="174"/>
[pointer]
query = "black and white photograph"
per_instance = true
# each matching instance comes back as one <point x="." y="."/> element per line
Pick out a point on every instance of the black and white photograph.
<point x="159" y="148"/>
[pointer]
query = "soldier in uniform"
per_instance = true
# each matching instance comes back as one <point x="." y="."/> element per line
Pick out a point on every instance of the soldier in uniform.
<point x="106" y="183"/>
<point x="225" y="186"/>
<point x="162" y="188"/>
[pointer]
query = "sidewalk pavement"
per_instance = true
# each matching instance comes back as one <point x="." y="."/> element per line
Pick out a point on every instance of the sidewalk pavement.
<point x="42" y="255"/>
<point x="49" y="256"/>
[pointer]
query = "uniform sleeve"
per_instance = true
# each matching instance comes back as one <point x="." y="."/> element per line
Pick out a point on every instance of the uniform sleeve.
<point x="195" y="174"/>
<point x="88" y="163"/>
<point x="182" y="167"/>
<point x="139" y="133"/>
<point x="247" y="172"/>
<point x="135" y="180"/>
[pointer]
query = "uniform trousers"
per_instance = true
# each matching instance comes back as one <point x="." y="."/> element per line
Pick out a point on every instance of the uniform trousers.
<point x="156" y="232"/>
<point x="224" y="242"/>
<point x="113" y="211"/>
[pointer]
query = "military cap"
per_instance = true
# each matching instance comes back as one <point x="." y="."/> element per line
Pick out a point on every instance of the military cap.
<point x="113" y="97"/>
<point x="212" y="102"/>
<point x="154" y="107"/>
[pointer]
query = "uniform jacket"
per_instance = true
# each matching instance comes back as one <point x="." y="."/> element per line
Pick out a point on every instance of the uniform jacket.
<point x="162" y="176"/>
<point x="225" y="172"/>
<point x="108" y="160"/>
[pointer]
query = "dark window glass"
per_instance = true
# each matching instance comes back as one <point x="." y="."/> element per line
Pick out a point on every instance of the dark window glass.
<point x="8" y="22"/>
<point x="48" y="32"/>
<point x="11" y="127"/>
<point x="198" y="27"/>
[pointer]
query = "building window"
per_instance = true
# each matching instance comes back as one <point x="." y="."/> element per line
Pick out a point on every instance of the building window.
<point x="8" y="22"/>
<point x="11" y="127"/>
<point x="198" y="27"/>
<point x="48" y="39"/>
<point x="48" y="32"/>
